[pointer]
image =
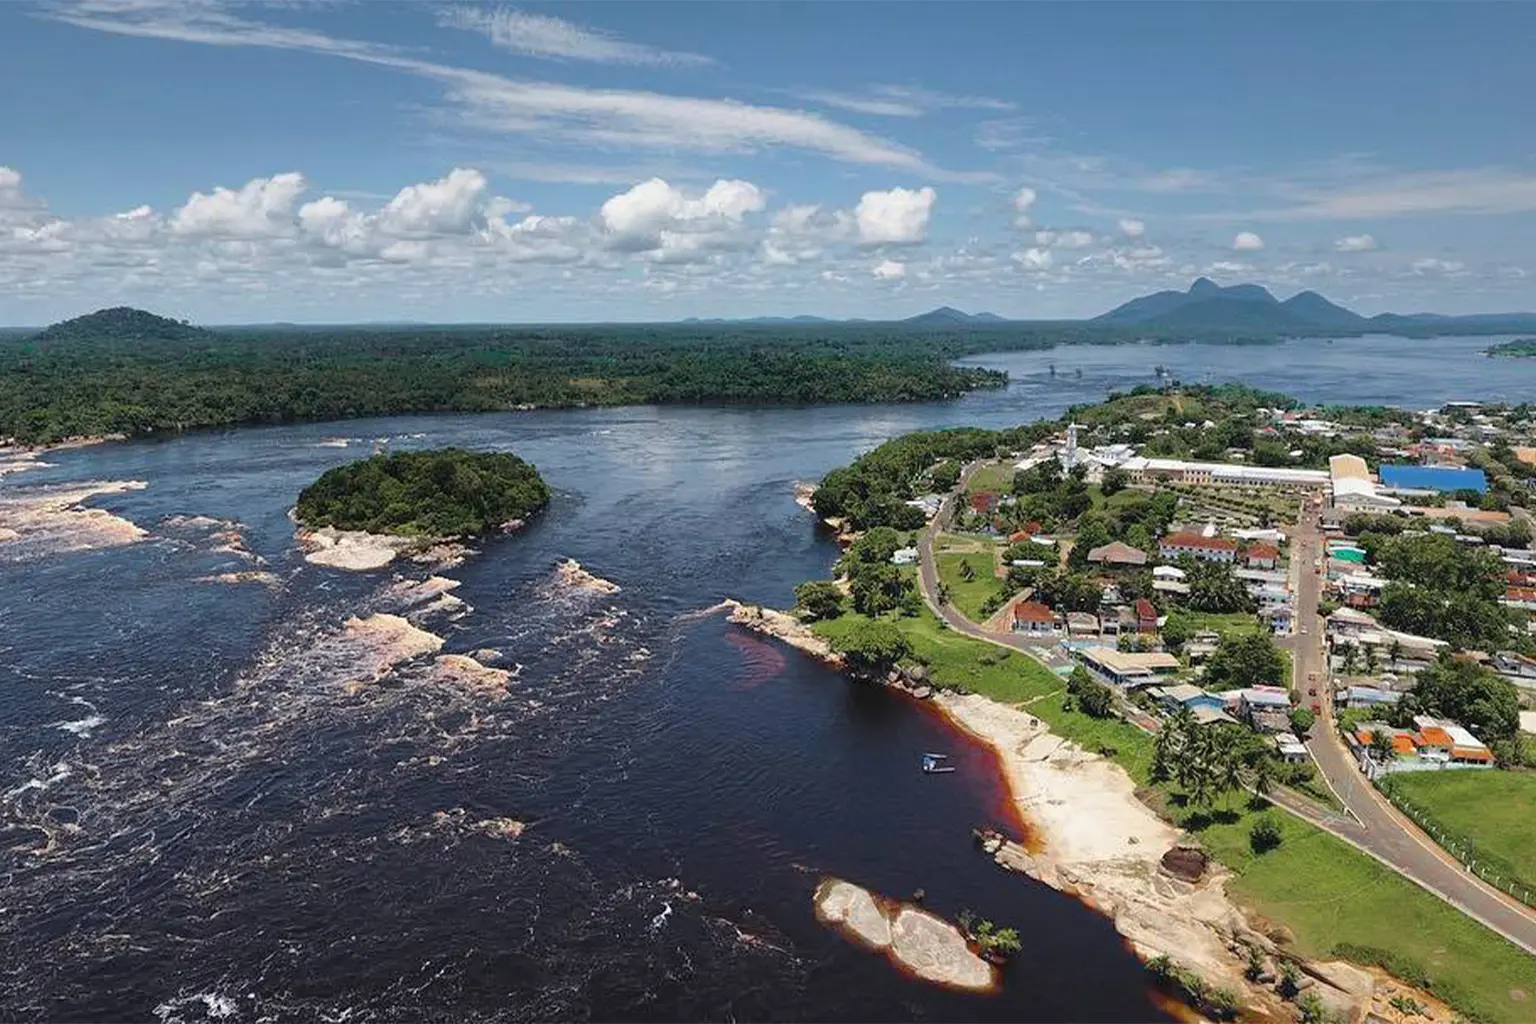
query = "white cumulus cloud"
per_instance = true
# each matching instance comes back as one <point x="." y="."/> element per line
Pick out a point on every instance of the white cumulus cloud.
<point x="1429" y="265"/>
<point x="1132" y="228"/>
<point x="657" y="217"/>
<point x="889" y="270"/>
<point x="895" y="217"/>
<point x="260" y="208"/>
<point x="1355" y="243"/>
<point x="1247" y="241"/>
<point x="445" y="206"/>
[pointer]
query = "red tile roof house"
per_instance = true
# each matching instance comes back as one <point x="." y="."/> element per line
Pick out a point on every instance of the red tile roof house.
<point x="1261" y="556"/>
<point x="1146" y="615"/>
<point x="1035" y="619"/>
<point x="1206" y="549"/>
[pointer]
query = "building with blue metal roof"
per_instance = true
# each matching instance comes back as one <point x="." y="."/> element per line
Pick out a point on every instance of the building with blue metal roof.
<point x="1433" y="478"/>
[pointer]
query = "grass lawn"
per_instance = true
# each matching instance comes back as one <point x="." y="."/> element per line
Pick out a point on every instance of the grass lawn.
<point x="1489" y="811"/>
<point x="969" y="595"/>
<point x="1225" y="623"/>
<point x="1338" y="902"/>
<point x="996" y="477"/>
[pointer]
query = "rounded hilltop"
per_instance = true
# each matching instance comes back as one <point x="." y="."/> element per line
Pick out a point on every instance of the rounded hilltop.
<point x="447" y="492"/>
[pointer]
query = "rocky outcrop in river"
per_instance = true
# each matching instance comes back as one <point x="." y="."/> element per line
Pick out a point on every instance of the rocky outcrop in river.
<point x="915" y="940"/>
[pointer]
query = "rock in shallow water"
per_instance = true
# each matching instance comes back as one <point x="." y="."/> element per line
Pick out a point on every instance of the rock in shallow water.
<point x="916" y="941"/>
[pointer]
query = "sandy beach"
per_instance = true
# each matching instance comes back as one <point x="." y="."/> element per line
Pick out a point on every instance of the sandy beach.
<point x="1094" y="839"/>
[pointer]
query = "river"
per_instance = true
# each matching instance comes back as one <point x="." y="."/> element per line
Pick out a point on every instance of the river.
<point x="202" y="820"/>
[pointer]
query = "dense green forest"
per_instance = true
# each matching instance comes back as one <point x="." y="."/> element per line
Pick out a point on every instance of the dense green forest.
<point x="126" y="371"/>
<point x="446" y="493"/>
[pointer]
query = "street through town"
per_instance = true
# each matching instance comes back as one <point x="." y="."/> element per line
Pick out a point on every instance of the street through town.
<point x="1372" y="824"/>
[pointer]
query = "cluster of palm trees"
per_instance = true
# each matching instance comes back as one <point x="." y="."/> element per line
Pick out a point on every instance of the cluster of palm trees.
<point x="1211" y="761"/>
<point x="1353" y="657"/>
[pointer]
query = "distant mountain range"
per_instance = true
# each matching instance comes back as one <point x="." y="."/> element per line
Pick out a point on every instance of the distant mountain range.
<point x="943" y="316"/>
<point x="1247" y="307"/>
<point x="1207" y="309"/>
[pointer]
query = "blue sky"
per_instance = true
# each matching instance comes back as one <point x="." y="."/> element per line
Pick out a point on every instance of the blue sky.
<point x="576" y="162"/>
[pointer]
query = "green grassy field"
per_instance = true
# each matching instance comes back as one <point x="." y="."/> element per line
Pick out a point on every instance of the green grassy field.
<point x="1225" y="623"/>
<point x="1490" y="812"/>
<point x="969" y="595"/>
<point x="1337" y="901"/>
<point x="996" y="477"/>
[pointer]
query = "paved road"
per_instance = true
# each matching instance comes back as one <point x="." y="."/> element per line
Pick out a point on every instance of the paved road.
<point x="1373" y="825"/>
<point x="1377" y="828"/>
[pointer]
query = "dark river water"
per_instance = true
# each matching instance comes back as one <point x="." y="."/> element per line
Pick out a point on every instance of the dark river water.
<point x="202" y="820"/>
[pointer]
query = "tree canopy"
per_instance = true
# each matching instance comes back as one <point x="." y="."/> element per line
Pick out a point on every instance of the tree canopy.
<point x="442" y="493"/>
<point x="127" y="371"/>
<point x="1245" y="659"/>
<point x="872" y="647"/>
<point x="1468" y="693"/>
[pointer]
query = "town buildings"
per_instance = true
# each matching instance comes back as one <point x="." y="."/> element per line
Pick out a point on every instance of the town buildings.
<point x="1198" y="546"/>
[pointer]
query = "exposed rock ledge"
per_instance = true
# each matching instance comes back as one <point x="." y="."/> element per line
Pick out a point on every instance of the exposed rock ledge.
<point x="351" y="549"/>
<point x="569" y="573"/>
<point x="782" y="625"/>
<point x="916" y="941"/>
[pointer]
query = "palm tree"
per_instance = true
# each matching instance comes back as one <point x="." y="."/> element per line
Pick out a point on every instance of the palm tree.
<point x="1264" y="775"/>
<point x="1228" y="768"/>
<point x="1371" y="659"/>
<point x="1394" y="652"/>
<point x="1381" y="745"/>
<point x="1350" y="655"/>
<point x="1200" y="785"/>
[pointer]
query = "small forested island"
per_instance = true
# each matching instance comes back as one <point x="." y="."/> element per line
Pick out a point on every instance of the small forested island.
<point x="1520" y="348"/>
<point x="448" y="492"/>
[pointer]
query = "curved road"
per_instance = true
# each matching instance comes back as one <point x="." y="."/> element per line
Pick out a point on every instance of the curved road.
<point x="1374" y="827"/>
<point x="1378" y="829"/>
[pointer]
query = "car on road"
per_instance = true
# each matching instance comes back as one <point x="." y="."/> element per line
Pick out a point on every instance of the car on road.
<point x="1311" y="691"/>
<point x="1317" y="708"/>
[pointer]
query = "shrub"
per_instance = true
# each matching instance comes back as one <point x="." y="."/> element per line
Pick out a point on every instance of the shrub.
<point x="1264" y="835"/>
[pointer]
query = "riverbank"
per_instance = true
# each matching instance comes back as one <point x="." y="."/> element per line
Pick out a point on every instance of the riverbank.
<point x="1097" y="841"/>
<point x="1078" y="783"/>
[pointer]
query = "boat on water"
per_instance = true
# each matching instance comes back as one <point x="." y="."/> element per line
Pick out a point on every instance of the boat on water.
<point x="933" y="764"/>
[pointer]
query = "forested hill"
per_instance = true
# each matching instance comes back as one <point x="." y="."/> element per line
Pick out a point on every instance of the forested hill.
<point x="121" y="323"/>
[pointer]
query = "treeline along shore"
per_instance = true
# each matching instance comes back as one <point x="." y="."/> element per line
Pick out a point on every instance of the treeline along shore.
<point x="125" y="371"/>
